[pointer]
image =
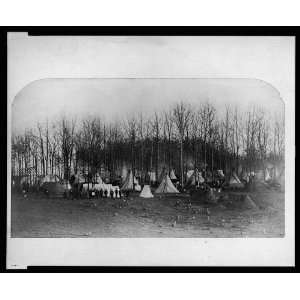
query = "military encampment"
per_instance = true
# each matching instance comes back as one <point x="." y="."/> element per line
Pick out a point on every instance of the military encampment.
<point x="184" y="168"/>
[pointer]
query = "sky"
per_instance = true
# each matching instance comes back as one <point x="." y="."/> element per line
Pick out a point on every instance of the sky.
<point x="33" y="61"/>
<point x="118" y="98"/>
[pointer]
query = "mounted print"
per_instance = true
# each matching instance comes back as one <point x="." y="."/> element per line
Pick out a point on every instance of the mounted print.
<point x="126" y="143"/>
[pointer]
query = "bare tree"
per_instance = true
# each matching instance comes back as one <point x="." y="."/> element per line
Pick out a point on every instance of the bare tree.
<point x="207" y="115"/>
<point x="169" y="123"/>
<point x="147" y="141"/>
<point x="156" y="129"/>
<point x="67" y="133"/>
<point x="131" y="129"/>
<point x="182" y="114"/>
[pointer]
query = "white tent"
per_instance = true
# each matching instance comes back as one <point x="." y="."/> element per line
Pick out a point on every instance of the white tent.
<point x="234" y="175"/>
<point x="166" y="186"/>
<point x="130" y="182"/>
<point x="172" y="175"/>
<point x="235" y="182"/>
<point x="146" y="192"/>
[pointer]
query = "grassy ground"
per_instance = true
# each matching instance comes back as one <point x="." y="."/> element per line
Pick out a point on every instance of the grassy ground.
<point x="162" y="216"/>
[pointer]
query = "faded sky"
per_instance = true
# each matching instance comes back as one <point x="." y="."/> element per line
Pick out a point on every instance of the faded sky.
<point x="111" y="98"/>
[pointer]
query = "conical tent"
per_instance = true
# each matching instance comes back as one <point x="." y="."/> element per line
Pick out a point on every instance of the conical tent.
<point x="166" y="186"/>
<point x="172" y="175"/>
<point x="129" y="183"/>
<point x="146" y="192"/>
<point x="235" y="182"/>
<point x="236" y="177"/>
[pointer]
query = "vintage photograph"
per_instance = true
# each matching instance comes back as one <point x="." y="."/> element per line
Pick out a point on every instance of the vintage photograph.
<point x="148" y="158"/>
<point x="150" y="150"/>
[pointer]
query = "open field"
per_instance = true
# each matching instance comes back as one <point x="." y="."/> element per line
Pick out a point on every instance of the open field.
<point x="163" y="216"/>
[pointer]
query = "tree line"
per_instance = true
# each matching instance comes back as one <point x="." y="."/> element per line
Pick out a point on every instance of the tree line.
<point x="181" y="137"/>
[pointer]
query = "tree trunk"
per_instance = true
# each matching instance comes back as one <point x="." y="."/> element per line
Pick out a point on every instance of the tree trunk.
<point x="181" y="161"/>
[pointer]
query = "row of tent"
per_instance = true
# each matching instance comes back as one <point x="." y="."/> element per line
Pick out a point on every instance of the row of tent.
<point x="152" y="176"/>
<point x="130" y="183"/>
<point x="166" y="185"/>
<point x="193" y="177"/>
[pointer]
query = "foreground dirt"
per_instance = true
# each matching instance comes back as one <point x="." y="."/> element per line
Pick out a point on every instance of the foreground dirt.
<point x="167" y="216"/>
